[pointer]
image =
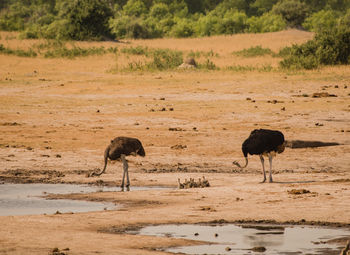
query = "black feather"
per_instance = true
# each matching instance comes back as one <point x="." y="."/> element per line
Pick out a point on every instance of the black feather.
<point x="125" y="145"/>
<point x="263" y="141"/>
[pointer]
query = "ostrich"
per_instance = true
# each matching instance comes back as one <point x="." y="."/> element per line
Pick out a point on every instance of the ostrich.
<point x="263" y="142"/>
<point x="119" y="148"/>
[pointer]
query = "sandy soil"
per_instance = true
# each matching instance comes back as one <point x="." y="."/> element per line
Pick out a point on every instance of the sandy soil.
<point x="57" y="116"/>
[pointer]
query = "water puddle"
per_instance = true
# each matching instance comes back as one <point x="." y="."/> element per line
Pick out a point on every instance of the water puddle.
<point x="27" y="199"/>
<point x="246" y="239"/>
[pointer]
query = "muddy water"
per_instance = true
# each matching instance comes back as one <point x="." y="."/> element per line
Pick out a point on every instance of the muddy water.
<point x="27" y="199"/>
<point x="234" y="239"/>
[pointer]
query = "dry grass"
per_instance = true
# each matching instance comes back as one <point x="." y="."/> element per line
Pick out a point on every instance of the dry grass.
<point x="222" y="47"/>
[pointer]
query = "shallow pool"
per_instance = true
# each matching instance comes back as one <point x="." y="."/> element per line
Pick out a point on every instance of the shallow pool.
<point x="242" y="239"/>
<point x="26" y="199"/>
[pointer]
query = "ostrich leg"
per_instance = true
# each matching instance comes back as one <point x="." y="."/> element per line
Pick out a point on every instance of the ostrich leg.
<point x="125" y="172"/>
<point x="263" y="166"/>
<point x="270" y="160"/>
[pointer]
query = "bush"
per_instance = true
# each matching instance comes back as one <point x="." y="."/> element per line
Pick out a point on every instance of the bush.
<point x="14" y="18"/>
<point x="182" y="28"/>
<point x="321" y="20"/>
<point x="268" y="22"/>
<point x="293" y="11"/>
<point x="134" y="8"/>
<point x="254" y="52"/>
<point x="327" y="48"/>
<point x="165" y="59"/>
<point x="128" y="27"/>
<point x="18" y="52"/>
<point x="82" y="19"/>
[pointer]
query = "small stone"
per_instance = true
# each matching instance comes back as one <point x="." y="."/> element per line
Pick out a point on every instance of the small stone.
<point x="259" y="249"/>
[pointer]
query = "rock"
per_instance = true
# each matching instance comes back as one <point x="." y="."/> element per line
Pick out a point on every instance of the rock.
<point x="259" y="249"/>
<point x="298" y="191"/>
<point x="189" y="63"/>
<point x="322" y="94"/>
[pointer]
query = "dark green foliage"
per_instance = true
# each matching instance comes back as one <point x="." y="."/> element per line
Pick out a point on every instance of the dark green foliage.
<point x="293" y="11"/>
<point x="82" y="19"/>
<point x="327" y="48"/>
<point x="263" y="6"/>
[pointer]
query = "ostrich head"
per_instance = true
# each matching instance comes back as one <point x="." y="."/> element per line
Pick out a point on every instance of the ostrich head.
<point x="245" y="153"/>
<point x="141" y="152"/>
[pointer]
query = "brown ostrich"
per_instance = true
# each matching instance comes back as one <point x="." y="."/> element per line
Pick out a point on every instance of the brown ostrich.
<point x="118" y="149"/>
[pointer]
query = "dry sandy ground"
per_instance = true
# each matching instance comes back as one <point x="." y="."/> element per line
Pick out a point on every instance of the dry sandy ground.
<point x="58" y="115"/>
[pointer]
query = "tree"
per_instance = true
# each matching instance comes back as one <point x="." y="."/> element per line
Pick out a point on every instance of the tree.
<point x="135" y="8"/>
<point x="293" y="11"/>
<point x="263" y="6"/>
<point x="82" y="19"/>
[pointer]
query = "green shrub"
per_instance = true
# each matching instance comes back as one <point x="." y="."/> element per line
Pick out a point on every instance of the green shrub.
<point x="165" y="59"/>
<point x="208" y="65"/>
<point x="322" y="20"/>
<point x="327" y="48"/>
<point x="284" y="52"/>
<point x="182" y="28"/>
<point x="293" y="11"/>
<point x="268" y="22"/>
<point x="249" y="68"/>
<point x="82" y="19"/>
<point x="139" y="50"/>
<point x="14" y="18"/>
<point x="134" y="8"/>
<point x="157" y="59"/>
<point x="64" y="52"/>
<point x="254" y="52"/>
<point x="17" y="52"/>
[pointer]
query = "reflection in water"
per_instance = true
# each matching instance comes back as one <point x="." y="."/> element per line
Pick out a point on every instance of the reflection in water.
<point x="242" y="238"/>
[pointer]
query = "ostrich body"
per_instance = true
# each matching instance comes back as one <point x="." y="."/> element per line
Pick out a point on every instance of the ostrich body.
<point x="118" y="149"/>
<point x="263" y="142"/>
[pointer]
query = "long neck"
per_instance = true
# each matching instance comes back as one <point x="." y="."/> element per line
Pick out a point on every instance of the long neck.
<point x="246" y="163"/>
<point x="105" y="166"/>
<point x="106" y="158"/>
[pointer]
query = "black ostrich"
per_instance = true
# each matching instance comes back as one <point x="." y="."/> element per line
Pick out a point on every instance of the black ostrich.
<point x="119" y="148"/>
<point x="263" y="142"/>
